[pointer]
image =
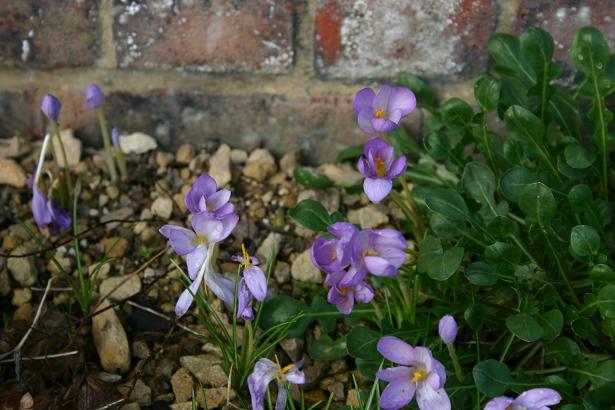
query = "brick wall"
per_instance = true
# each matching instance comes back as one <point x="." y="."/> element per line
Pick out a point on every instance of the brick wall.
<point x="275" y="73"/>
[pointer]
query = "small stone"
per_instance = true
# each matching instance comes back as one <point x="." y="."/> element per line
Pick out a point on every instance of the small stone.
<point x="110" y="340"/>
<point x="137" y="143"/>
<point x="147" y="235"/>
<point x="140" y="392"/>
<point x="214" y="398"/>
<point x="81" y="168"/>
<point x="23" y="313"/>
<point x="370" y="216"/>
<point x="343" y="174"/>
<point x="353" y="398"/>
<point x="293" y="347"/>
<point x="130" y="406"/>
<point x="212" y="348"/>
<point x="131" y="286"/>
<point x="182" y="384"/>
<point x="101" y="271"/>
<point x="9" y="242"/>
<point x="112" y="191"/>
<point x="260" y="165"/>
<point x="281" y="272"/>
<point x="21" y="296"/>
<point x="184" y="153"/>
<point x="115" y="247"/>
<point x="11" y="173"/>
<point x="220" y="165"/>
<point x="72" y="147"/>
<point x="288" y="162"/>
<point x="5" y="283"/>
<point x="238" y="156"/>
<point x="315" y="396"/>
<point x="335" y="387"/>
<point x="206" y="368"/>
<point x="22" y="269"/>
<point x="329" y="198"/>
<point x="13" y="148"/>
<point x="315" y="373"/>
<point x="165" y="367"/>
<point x="270" y="246"/>
<point x="103" y="200"/>
<point x="117" y="215"/>
<point x="109" y="377"/>
<point x="163" y="207"/>
<point x="164" y="159"/>
<point x="304" y="270"/>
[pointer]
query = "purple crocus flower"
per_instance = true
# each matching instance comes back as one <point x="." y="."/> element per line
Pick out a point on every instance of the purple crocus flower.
<point x="379" y="251"/>
<point x="333" y="255"/>
<point x="51" y="107"/>
<point x="534" y="399"/>
<point x="93" y="97"/>
<point x="197" y="245"/>
<point x="420" y="374"/>
<point x="343" y="295"/>
<point x="48" y="214"/>
<point x="253" y="276"/>
<point x="264" y="372"/>
<point x="447" y="328"/>
<point x="115" y="138"/>
<point x="379" y="167"/>
<point x="382" y="112"/>
<point x="204" y="197"/>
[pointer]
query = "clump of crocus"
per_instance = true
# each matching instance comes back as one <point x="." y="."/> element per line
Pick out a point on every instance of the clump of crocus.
<point x="420" y="375"/>
<point x="447" y="328"/>
<point x="379" y="167"/>
<point x="534" y="399"/>
<point x="264" y="372"/>
<point x="344" y="295"/>
<point x="119" y="153"/>
<point x="94" y="99"/>
<point x="382" y="112"/>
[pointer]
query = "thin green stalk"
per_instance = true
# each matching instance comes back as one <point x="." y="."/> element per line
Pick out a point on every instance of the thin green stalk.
<point x="507" y="348"/>
<point x="415" y="296"/>
<point x="121" y="162"/>
<point x="453" y="354"/>
<point x="561" y="270"/>
<point x="107" y="143"/>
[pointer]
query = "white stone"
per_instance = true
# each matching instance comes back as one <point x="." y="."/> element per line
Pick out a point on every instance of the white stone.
<point x="72" y="146"/>
<point x="127" y="286"/>
<point x="220" y="165"/>
<point x="11" y="173"/>
<point x="370" y="216"/>
<point x="110" y="340"/>
<point x="137" y="143"/>
<point x="304" y="270"/>
<point x="163" y="207"/>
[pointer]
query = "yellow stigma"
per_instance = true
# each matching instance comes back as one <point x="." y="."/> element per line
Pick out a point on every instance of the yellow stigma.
<point x="418" y="376"/>
<point x="379" y="113"/>
<point x="201" y="239"/>
<point x="369" y="252"/>
<point x="287" y="368"/>
<point x="343" y="291"/>
<point x="380" y="171"/>
<point x="246" y="257"/>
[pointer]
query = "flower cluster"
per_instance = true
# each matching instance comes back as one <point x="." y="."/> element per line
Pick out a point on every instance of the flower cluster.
<point x="534" y="399"/>
<point x="264" y="372"/>
<point x="350" y="255"/>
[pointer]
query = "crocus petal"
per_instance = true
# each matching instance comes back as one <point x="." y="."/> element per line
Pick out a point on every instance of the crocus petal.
<point x="383" y="125"/>
<point x="216" y="200"/>
<point x="381" y="102"/>
<point x="294" y="375"/>
<point x="429" y="399"/>
<point x="207" y="227"/>
<point x="396" y="350"/>
<point x="375" y="144"/>
<point x="51" y="107"/>
<point x="244" y="299"/>
<point x="222" y="287"/>
<point x="93" y="97"/>
<point x="377" y="189"/>
<point x="437" y="377"/>
<point x="364" y="293"/>
<point x="394" y="373"/>
<point x="423" y="358"/>
<point x="280" y="403"/>
<point x="398" y="167"/>
<point x="499" y="403"/>
<point x="186" y="298"/>
<point x="403" y="99"/>
<point x="364" y="169"/>
<point x="59" y="216"/>
<point x="346" y="304"/>
<point x="333" y="278"/>
<point x="397" y="394"/>
<point x="351" y="278"/>
<point x="334" y="296"/>
<point x="195" y="261"/>
<point x="363" y="99"/>
<point x="225" y="210"/>
<point x="205" y="184"/>
<point x="538" y="398"/>
<point x="447" y="328"/>
<point x="40" y="212"/>
<point x="256" y="282"/>
<point x="264" y="371"/>
<point x="365" y="120"/>
<point x="181" y="239"/>
<point x="379" y="266"/>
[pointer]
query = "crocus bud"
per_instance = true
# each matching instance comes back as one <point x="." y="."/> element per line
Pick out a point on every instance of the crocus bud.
<point x="115" y="137"/>
<point x="93" y="97"/>
<point x="50" y="107"/>
<point x="448" y="329"/>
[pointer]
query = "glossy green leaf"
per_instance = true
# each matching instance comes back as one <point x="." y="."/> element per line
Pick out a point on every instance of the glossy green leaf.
<point x="525" y="327"/>
<point x="579" y="157"/>
<point x="538" y="203"/>
<point x="563" y="110"/>
<point x="311" y="214"/>
<point x="525" y="126"/>
<point x="437" y="145"/>
<point x="478" y="182"/>
<point x="492" y="378"/>
<point x="448" y="203"/>
<point x="350" y="153"/>
<point x="606" y="301"/>
<point x="580" y="197"/>
<point x="328" y="349"/>
<point x="505" y="51"/>
<point x="438" y="264"/>
<point x="457" y="115"/>
<point x="474" y="316"/>
<point x="305" y="177"/>
<point x="584" y="240"/>
<point x="600" y="398"/>
<point x="481" y="274"/>
<point x="602" y="273"/>
<point x="487" y="92"/>
<point x="361" y="343"/>
<point x="514" y="181"/>
<point x="281" y="309"/>
<point x="564" y="351"/>
<point x="502" y="254"/>
<point x="552" y="323"/>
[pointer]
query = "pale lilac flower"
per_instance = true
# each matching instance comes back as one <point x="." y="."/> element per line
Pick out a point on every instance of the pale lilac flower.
<point x="264" y="372"/>
<point x="382" y="112"/>
<point x="534" y="399"/>
<point x="253" y="275"/>
<point x="447" y="328"/>
<point x="379" y="167"/>
<point x="333" y="255"/>
<point x="343" y="295"/>
<point x="420" y="374"/>
<point x="93" y="97"/>
<point x="51" y="107"/>
<point x="244" y="301"/>
<point x="379" y="251"/>
<point x="204" y="197"/>
<point x="115" y="138"/>
<point x="47" y="213"/>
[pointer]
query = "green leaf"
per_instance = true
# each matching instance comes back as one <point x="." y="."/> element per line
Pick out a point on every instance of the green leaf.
<point x="487" y="92"/>
<point x="478" y="182"/>
<point x="584" y="240"/>
<point x="525" y="126"/>
<point x="578" y="157"/>
<point x="512" y="92"/>
<point x="502" y="254"/>
<point x="563" y="350"/>
<point x="350" y="153"/>
<point x="563" y="110"/>
<point x="505" y="51"/>
<point x="311" y="214"/>
<point x="600" y="398"/>
<point x="361" y="343"/>
<point x="481" y="274"/>
<point x="552" y="323"/>
<point x="537" y="49"/>
<point x="606" y="301"/>
<point x="328" y="349"/>
<point x="282" y="309"/>
<point x="538" y="203"/>
<point x="425" y="96"/>
<point x="501" y="227"/>
<point x="492" y="378"/>
<point x="514" y="181"/>
<point x="457" y="115"/>
<point x="448" y="203"/>
<point x="474" y="316"/>
<point x="439" y="265"/>
<point x="322" y="311"/>
<point x="306" y="178"/>
<point x="603" y="374"/>
<point x="590" y="51"/>
<point x="524" y="327"/>
<point x="580" y="197"/>
<point x="602" y="273"/>
<point x="437" y="145"/>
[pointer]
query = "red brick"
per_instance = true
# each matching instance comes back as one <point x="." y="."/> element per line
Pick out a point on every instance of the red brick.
<point x="367" y="38"/>
<point x="563" y="18"/>
<point x="211" y="36"/>
<point x="48" y="33"/>
<point x="18" y="114"/>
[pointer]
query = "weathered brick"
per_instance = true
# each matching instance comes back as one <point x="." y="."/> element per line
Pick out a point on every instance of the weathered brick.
<point x="434" y="38"/>
<point x="17" y="113"/>
<point x="48" y="33"/>
<point x="563" y="18"/>
<point x="205" y="35"/>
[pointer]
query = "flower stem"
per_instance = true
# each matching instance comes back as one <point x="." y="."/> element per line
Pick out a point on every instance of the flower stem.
<point x="41" y="160"/>
<point x="453" y="354"/>
<point x="121" y="162"/>
<point x="65" y="191"/>
<point x="107" y="143"/>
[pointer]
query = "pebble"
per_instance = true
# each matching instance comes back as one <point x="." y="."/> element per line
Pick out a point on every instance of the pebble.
<point x="141" y="393"/>
<point x="5" y="283"/>
<point x="220" y="165"/>
<point x="118" y="214"/>
<point x="342" y="174"/>
<point x="23" y="270"/>
<point x="115" y="247"/>
<point x="181" y="383"/>
<point x="140" y="350"/>
<point x="352" y="399"/>
<point x="270" y="246"/>
<point x="164" y="159"/>
<point x="214" y="398"/>
<point x="281" y="272"/>
<point x="103" y="200"/>
<point x="184" y="154"/>
<point x="206" y="368"/>
<point x="137" y="143"/>
<point x="13" y="148"/>
<point x="11" y="173"/>
<point x="163" y="207"/>
<point x="129" y="288"/>
<point x="23" y="313"/>
<point x="288" y="162"/>
<point x="21" y="296"/>
<point x="329" y="198"/>
<point x="238" y="156"/>
<point x="293" y="347"/>
<point x="112" y="191"/>
<point x="72" y="147"/>
<point x="370" y="216"/>
<point x="304" y="270"/>
<point x="110" y="340"/>
<point x="260" y="165"/>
